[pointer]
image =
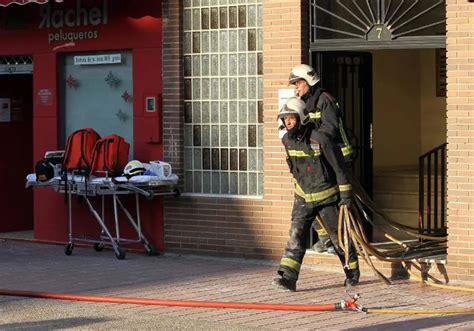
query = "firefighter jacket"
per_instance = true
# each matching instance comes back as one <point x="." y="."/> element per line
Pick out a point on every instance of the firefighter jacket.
<point x="326" y="116"/>
<point x="318" y="169"/>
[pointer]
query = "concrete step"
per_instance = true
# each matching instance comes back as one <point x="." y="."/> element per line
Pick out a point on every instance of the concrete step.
<point x="400" y="200"/>
<point x="401" y="182"/>
<point x="405" y="217"/>
<point x="396" y="199"/>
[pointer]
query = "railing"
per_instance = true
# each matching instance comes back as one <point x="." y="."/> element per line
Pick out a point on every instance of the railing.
<point x="432" y="191"/>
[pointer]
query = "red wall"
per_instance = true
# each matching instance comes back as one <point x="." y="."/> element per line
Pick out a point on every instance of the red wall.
<point x="132" y="24"/>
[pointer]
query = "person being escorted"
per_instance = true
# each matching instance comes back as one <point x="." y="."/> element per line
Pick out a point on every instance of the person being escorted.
<point x="321" y="186"/>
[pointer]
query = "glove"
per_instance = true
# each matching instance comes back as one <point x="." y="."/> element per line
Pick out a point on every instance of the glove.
<point x="346" y="201"/>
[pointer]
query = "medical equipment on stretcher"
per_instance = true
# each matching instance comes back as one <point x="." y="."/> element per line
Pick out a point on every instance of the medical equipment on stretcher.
<point x="86" y="187"/>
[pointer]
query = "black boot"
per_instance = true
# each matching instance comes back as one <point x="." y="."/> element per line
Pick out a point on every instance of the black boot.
<point x="320" y="247"/>
<point x="330" y="247"/>
<point x="324" y="245"/>
<point x="284" y="284"/>
<point x="352" y="277"/>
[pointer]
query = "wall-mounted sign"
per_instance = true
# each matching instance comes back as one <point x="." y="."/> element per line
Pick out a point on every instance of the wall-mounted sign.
<point x="62" y="19"/>
<point x="75" y="17"/>
<point x="97" y="59"/>
<point x="44" y="97"/>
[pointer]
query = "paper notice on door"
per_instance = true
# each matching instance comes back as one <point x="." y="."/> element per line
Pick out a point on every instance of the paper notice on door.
<point x="5" y="110"/>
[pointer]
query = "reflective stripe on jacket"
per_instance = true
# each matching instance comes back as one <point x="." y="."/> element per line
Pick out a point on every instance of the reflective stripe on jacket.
<point x="318" y="173"/>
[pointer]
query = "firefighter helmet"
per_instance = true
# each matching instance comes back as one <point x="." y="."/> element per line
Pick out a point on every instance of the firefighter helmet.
<point x="305" y="72"/>
<point x="295" y="106"/>
<point x="133" y="168"/>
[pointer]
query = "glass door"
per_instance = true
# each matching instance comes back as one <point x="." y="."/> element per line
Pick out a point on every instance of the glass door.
<point x="97" y="92"/>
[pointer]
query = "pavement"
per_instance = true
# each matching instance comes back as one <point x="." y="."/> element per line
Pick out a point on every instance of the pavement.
<point x="43" y="267"/>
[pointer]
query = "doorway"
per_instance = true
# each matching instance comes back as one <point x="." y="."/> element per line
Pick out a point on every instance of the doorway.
<point x="348" y="77"/>
<point x="16" y="159"/>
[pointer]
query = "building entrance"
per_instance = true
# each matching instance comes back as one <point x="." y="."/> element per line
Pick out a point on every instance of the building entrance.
<point x="16" y="132"/>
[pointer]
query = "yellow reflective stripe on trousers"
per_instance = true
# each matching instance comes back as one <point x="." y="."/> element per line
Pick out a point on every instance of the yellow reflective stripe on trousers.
<point x="346" y="150"/>
<point x="345" y="187"/>
<point x="289" y="262"/>
<point x="322" y="232"/>
<point x="292" y="152"/>
<point x="315" y="115"/>
<point x="353" y="265"/>
<point x="314" y="197"/>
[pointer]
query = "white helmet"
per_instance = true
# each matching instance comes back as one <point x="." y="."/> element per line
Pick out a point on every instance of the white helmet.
<point x="295" y="106"/>
<point x="133" y="168"/>
<point x="303" y="71"/>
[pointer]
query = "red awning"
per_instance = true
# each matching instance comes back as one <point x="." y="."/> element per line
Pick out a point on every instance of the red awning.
<point x="4" y="3"/>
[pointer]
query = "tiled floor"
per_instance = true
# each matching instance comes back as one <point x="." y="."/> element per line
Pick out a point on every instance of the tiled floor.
<point x="40" y="267"/>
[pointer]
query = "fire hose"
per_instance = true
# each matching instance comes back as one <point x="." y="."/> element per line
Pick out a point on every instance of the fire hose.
<point x="350" y="232"/>
<point x="344" y="305"/>
<point x="348" y="304"/>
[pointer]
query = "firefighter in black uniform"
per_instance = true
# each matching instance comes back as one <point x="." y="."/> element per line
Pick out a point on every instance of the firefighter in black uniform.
<point x="321" y="185"/>
<point x="325" y="116"/>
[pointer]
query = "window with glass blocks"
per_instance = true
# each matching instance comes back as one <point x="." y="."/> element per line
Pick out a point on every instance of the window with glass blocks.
<point x="223" y="108"/>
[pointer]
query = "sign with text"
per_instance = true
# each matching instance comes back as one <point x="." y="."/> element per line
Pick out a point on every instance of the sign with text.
<point x="44" y="97"/>
<point x="97" y="59"/>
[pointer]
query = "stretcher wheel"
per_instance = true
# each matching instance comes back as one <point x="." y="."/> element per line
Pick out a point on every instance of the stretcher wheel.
<point x="68" y="249"/>
<point x="150" y="249"/>
<point x="120" y="254"/>
<point x="177" y="193"/>
<point x="98" y="247"/>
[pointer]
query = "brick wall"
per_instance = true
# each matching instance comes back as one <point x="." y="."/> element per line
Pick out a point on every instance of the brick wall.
<point x="172" y="85"/>
<point x="233" y="226"/>
<point x="460" y="112"/>
<point x="239" y="227"/>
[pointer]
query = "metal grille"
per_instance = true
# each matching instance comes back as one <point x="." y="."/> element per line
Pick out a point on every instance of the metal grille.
<point x="16" y="65"/>
<point x="376" y="20"/>
<point x="13" y="60"/>
<point x="223" y="68"/>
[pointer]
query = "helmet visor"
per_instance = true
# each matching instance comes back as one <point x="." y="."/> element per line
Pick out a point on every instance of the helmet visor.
<point x="293" y="78"/>
<point x="308" y="76"/>
<point x="285" y="110"/>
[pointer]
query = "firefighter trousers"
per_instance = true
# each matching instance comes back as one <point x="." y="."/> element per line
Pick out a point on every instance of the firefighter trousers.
<point x="302" y="217"/>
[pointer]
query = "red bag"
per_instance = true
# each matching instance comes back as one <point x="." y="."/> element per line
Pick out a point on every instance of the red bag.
<point x="110" y="156"/>
<point x="79" y="147"/>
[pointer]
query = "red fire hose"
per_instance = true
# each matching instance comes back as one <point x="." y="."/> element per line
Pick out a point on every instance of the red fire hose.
<point x="349" y="304"/>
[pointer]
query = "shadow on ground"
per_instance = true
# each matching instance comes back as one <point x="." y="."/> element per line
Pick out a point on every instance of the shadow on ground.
<point x="54" y="323"/>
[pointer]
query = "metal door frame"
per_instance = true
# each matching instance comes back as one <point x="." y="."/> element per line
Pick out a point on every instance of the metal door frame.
<point x="376" y="26"/>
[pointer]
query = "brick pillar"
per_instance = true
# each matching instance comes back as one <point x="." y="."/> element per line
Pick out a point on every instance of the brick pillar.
<point x="173" y="86"/>
<point x="460" y="113"/>
<point x="281" y="51"/>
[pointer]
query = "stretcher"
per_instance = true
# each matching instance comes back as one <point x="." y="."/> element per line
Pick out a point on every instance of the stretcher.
<point x="87" y="187"/>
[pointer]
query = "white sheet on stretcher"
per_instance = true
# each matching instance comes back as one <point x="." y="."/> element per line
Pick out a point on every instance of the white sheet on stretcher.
<point x="136" y="180"/>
